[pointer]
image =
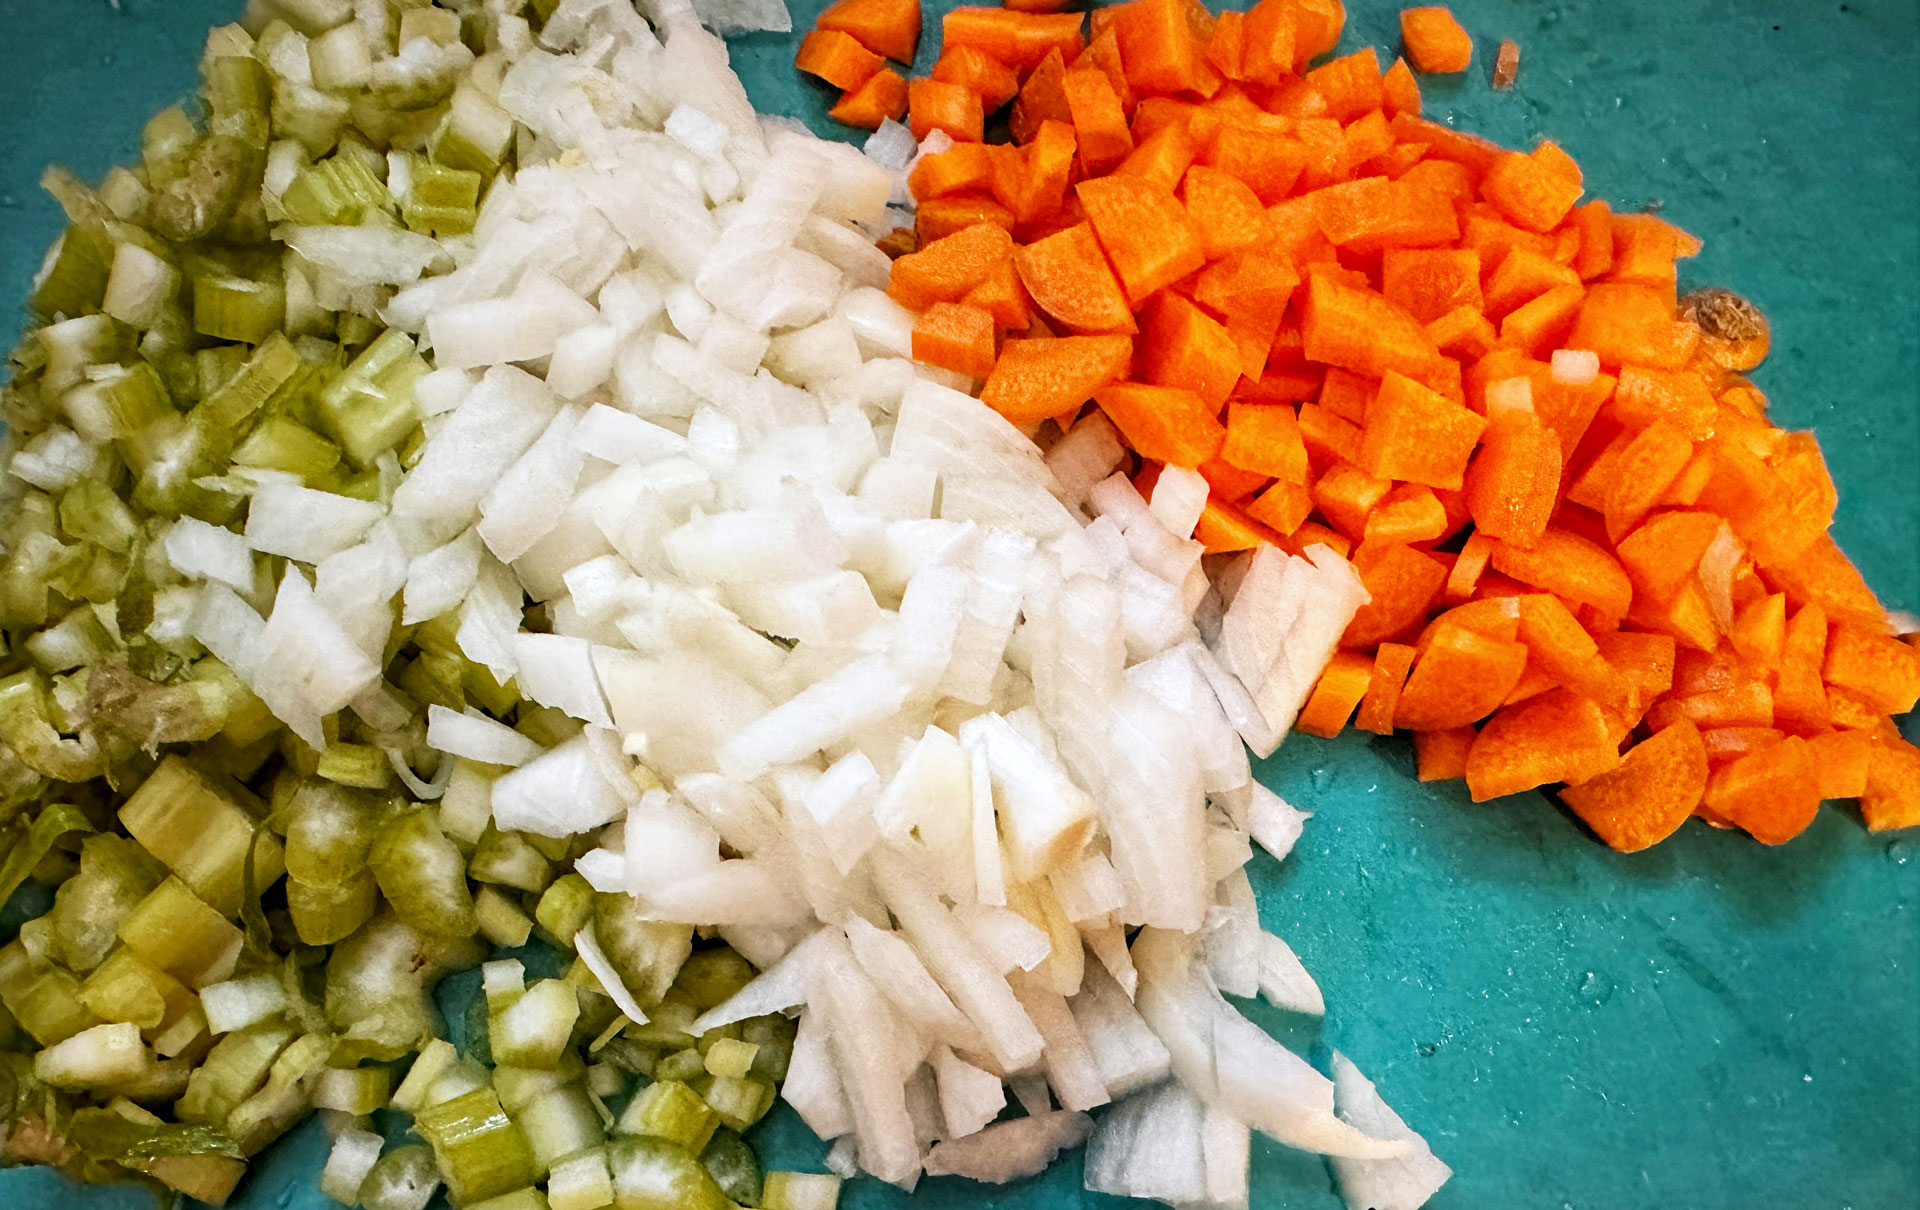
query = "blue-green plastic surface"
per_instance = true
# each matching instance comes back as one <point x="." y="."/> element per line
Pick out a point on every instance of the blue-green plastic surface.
<point x="1707" y="1025"/>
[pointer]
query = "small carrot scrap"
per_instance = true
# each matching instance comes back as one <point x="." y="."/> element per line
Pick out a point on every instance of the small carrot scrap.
<point x="883" y="97"/>
<point x="1223" y="529"/>
<point x="951" y="108"/>
<point x="976" y="70"/>
<point x="1391" y="663"/>
<point x="1649" y="795"/>
<point x="837" y="58"/>
<point x="955" y="337"/>
<point x="1506" y="65"/>
<point x="1773" y="794"/>
<point x="889" y="28"/>
<point x="1434" y="40"/>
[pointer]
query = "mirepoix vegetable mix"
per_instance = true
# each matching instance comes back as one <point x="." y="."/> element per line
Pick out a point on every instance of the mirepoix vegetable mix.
<point x="1579" y="532"/>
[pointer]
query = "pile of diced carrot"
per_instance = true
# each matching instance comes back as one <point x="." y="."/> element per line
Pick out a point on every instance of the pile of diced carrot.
<point x="1371" y="331"/>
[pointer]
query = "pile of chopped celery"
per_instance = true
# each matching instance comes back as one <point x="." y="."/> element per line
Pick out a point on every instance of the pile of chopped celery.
<point x="250" y="918"/>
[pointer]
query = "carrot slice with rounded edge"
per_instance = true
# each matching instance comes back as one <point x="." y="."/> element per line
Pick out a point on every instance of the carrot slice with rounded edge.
<point x="1513" y="483"/>
<point x="1342" y="684"/>
<point x="1570" y="567"/>
<point x="1442" y="755"/>
<point x="1069" y="278"/>
<point x="837" y="58"/>
<point x="1773" y="794"/>
<point x="1361" y="331"/>
<point x="1460" y="677"/>
<point x="882" y="98"/>
<point x="1654" y="790"/>
<point x="1145" y="231"/>
<point x="1166" y="424"/>
<point x="1036" y="379"/>
<point x="1892" y="796"/>
<point x="1877" y="668"/>
<point x="944" y="270"/>
<point x="1557" y="736"/>
<point x="890" y="28"/>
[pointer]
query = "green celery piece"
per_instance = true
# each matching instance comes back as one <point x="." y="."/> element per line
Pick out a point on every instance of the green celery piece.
<point x="239" y="96"/>
<point x="325" y="913"/>
<point x="733" y="1166"/>
<point x="506" y="859"/>
<point x="175" y="930"/>
<point x="710" y="977"/>
<point x="480" y="1151"/>
<point x="203" y="831"/>
<point x="115" y="875"/>
<point x="799" y="1191"/>
<point x="683" y="1066"/>
<point x="739" y="1102"/>
<point x="233" y="1070"/>
<point x="647" y="954"/>
<point x="26" y="727"/>
<point x="773" y="1034"/>
<point x="90" y="511"/>
<point x="281" y="444"/>
<point x="43" y="998"/>
<point x="423" y="875"/>
<point x="237" y="308"/>
<point x="368" y="409"/>
<point x="339" y="190"/>
<point x="73" y="279"/>
<point x="272" y="371"/>
<point x="361" y="766"/>
<point x="221" y="172"/>
<point x="127" y="988"/>
<point x="103" y="1134"/>
<point x="565" y="908"/>
<point x="670" y="1110"/>
<point x="654" y="1174"/>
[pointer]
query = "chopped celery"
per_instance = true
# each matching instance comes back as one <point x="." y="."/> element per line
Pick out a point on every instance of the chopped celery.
<point x="773" y="1036"/>
<point x="666" y="1026"/>
<point x="355" y="1090"/>
<point x="479" y="1149"/>
<point x="405" y="1178"/>
<point x="115" y="402"/>
<point x="127" y="988"/>
<point x="433" y="1061"/>
<point x="282" y="1100"/>
<point x="25" y="727"/>
<point x="476" y="133"/>
<point x="731" y="1057"/>
<point x="369" y="407"/>
<point x="545" y="725"/>
<point x="219" y="172"/>
<point x="647" y="954"/>
<point x="329" y="830"/>
<point x="237" y="308"/>
<point x="799" y="1191"/>
<point x="439" y="199"/>
<point x="533" y="1030"/>
<point x="655" y="1174"/>
<point x="239" y="95"/>
<point x="711" y="977"/>
<point x="466" y="809"/>
<point x="141" y="285"/>
<point x="503" y="981"/>
<point x="27" y="842"/>
<point x="501" y="919"/>
<point x="581" y="1182"/>
<point x="236" y="1068"/>
<point x="338" y="190"/>
<point x="273" y="370"/>
<point x="73" y="279"/>
<point x="423" y="875"/>
<point x="115" y="875"/>
<point x="41" y="997"/>
<point x="282" y="444"/>
<point x="670" y="1110"/>
<point x="682" y="1065"/>
<point x="560" y="1123"/>
<point x="732" y="1164"/>
<point x="361" y="766"/>
<point x="378" y="982"/>
<point x="739" y="1102"/>
<point x="202" y="829"/>
<point x="238" y="1003"/>
<point x="565" y="907"/>
<point x="506" y="859"/>
<point x="324" y="913"/>
<point x="520" y="1087"/>
<point x="528" y="1198"/>
<point x="353" y="1156"/>
<point x="91" y="512"/>
<point x="200" y="1161"/>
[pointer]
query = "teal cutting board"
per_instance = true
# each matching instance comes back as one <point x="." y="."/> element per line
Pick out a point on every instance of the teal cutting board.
<point x="1707" y="1026"/>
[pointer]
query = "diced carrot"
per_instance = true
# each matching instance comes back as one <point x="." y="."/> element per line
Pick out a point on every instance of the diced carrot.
<point x="1463" y="332"/>
<point x="1841" y="760"/>
<point x="1035" y="379"/>
<point x="1330" y="438"/>
<point x="1225" y="212"/>
<point x="1824" y="576"/>
<point x="1431" y="282"/>
<point x="1181" y="345"/>
<point x="1268" y="43"/>
<point x="1535" y="191"/>
<point x="1020" y="40"/>
<point x="1340" y="688"/>
<point x="1034" y="6"/>
<point x="1043" y="98"/>
<point x="1878" y="668"/>
<point x="955" y="337"/>
<point x="1391" y="663"/>
<point x="1004" y="298"/>
<point x="1409" y="513"/>
<point x="1347" y="394"/>
<point x="1773" y="793"/>
<point x="1230" y="483"/>
<point x="1267" y="159"/>
<point x="1069" y="278"/>
<point x="1644" y="395"/>
<point x="1402" y="582"/>
<point x="1651" y="461"/>
<point x="944" y="270"/>
<point x="1460" y="677"/>
<point x="1740" y="704"/>
<point x="881" y="98"/>
<point x="1594" y="222"/>
<point x="889" y="28"/>
<point x="837" y="58"/>
<point x="1760" y="629"/>
<point x="1656" y="786"/>
<point x="1434" y="40"/>
<point x="976" y="70"/>
<point x="1144" y="230"/>
<point x="1644" y="251"/>
<point x="962" y="168"/>
<point x="953" y="108"/>
<point x="1317" y="25"/>
<point x="1524" y="275"/>
<point x="1154" y="114"/>
<point x="1162" y="157"/>
<point x="1442" y="755"/>
<point x="1553" y="737"/>
<point x="1223" y="529"/>
<point x="1476" y="154"/>
<point x="1661" y="556"/>
<point x="1467" y="567"/>
<point x="938" y="217"/>
<point x="1104" y="139"/>
<point x="1561" y="647"/>
<point x="1571" y="567"/>
<point x="1345" y="494"/>
<point x="1687" y="617"/>
<point x="1726" y="744"/>
<point x="1266" y="438"/>
<point x="1629" y="324"/>
<point x="1157" y="46"/>
<point x="1042" y="190"/>
<point x="1350" y="84"/>
<point x="1401" y="89"/>
<point x="1227" y="49"/>
<point x="1892" y="796"/>
<point x="1167" y="424"/>
<point x="1359" y="330"/>
<point x="1513" y="482"/>
<point x="1848" y="712"/>
<point x="1283" y="507"/>
<point x="1415" y="434"/>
